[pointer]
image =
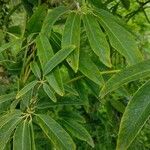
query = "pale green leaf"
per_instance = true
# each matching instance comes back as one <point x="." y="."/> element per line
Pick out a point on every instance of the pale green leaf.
<point x="128" y="74"/>
<point x="97" y="39"/>
<point x="25" y="89"/>
<point x="21" y="138"/>
<point x="136" y="114"/>
<point x="58" y="136"/>
<point x="71" y="36"/>
<point x="35" y="69"/>
<point x="120" y="38"/>
<point x="58" y="58"/>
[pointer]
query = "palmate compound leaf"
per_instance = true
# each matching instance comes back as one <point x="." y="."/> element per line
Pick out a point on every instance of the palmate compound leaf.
<point x="45" y="53"/>
<point x="71" y="36"/>
<point x="22" y="137"/>
<point x="131" y="73"/>
<point x="119" y="37"/>
<point x="58" y="136"/>
<point x="97" y="39"/>
<point x="77" y="130"/>
<point x="8" y="123"/>
<point x="136" y="114"/>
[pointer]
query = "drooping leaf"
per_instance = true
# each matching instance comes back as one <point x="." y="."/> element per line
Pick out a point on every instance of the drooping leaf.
<point x="119" y="37"/>
<point x="35" y="69"/>
<point x="71" y="36"/>
<point x="58" y="58"/>
<point x="58" y="136"/>
<point x="25" y="89"/>
<point x="136" y="114"/>
<point x="128" y="74"/>
<point x="49" y="92"/>
<point x="45" y="53"/>
<point x="51" y="18"/>
<point x="97" y="39"/>
<point x="77" y="130"/>
<point x="89" y="69"/>
<point x="22" y="139"/>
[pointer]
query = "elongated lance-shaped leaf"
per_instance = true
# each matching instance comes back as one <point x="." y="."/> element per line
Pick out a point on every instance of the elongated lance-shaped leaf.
<point x="33" y="147"/>
<point x="34" y="25"/>
<point x="77" y="130"/>
<point x="58" y="58"/>
<point x="89" y="69"/>
<point x="51" y="18"/>
<point x="132" y="73"/>
<point x="22" y="138"/>
<point x="70" y="90"/>
<point x="58" y="136"/>
<point x="45" y="53"/>
<point x="120" y="38"/>
<point x="49" y="92"/>
<point x="97" y="39"/>
<point x="136" y="114"/>
<point x="35" y="69"/>
<point x="7" y="97"/>
<point x="71" y="36"/>
<point x="7" y="126"/>
<point x="27" y="88"/>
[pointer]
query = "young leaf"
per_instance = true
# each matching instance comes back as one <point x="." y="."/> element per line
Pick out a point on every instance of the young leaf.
<point x="51" y="18"/>
<point x="89" y="69"/>
<point x="49" y="92"/>
<point x="120" y="38"/>
<point x="97" y="39"/>
<point x="45" y="53"/>
<point x="132" y="73"/>
<point x="22" y="139"/>
<point x="77" y="130"/>
<point x="35" y="69"/>
<point x="58" y="136"/>
<point x="27" y="88"/>
<point x="71" y="36"/>
<point x="136" y="114"/>
<point x="57" y="59"/>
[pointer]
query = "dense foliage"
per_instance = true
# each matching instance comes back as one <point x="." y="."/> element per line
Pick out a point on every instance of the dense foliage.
<point x="74" y="74"/>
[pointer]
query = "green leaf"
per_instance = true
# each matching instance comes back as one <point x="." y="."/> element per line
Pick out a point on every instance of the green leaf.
<point x="58" y="136"/>
<point x="27" y="88"/>
<point x="49" y="92"/>
<point x="22" y="139"/>
<point x="97" y="39"/>
<point x="58" y="58"/>
<point x="71" y="36"/>
<point x="51" y="18"/>
<point x="45" y="53"/>
<point x="126" y="3"/>
<point x="34" y="25"/>
<point x="120" y="38"/>
<point x="33" y="147"/>
<point x="89" y="69"/>
<point x="136" y="114"/>
<point x="7" y="126"/>
<point x="35" y="69"/>
<point x="71" y="90"/>
<point x="77" y="130"/>
<point x="132" y="73"/>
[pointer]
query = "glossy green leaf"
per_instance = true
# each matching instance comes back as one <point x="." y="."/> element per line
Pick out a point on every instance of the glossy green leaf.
<point x="78" y="130"/>
<point x="89" y="69"/>
<point x="136" y="114"/>
<point x="128" y="74"/>
<point x="49" y="92"/>
<point x="21" y="138"/>
<point x="7" y="97"/>
<point x="45" y="53"/>
<point x="97" y="39"/>
<point x="58" y="58"/>
<point x="120" y="38"/>
<point x="71" y="36"/>
<point x="34" y="25"/>
<point x="51" y="18"/>
<point x="25" y="89"/>
<point x="35" y="69"/>
<point x="58" y="136"/>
